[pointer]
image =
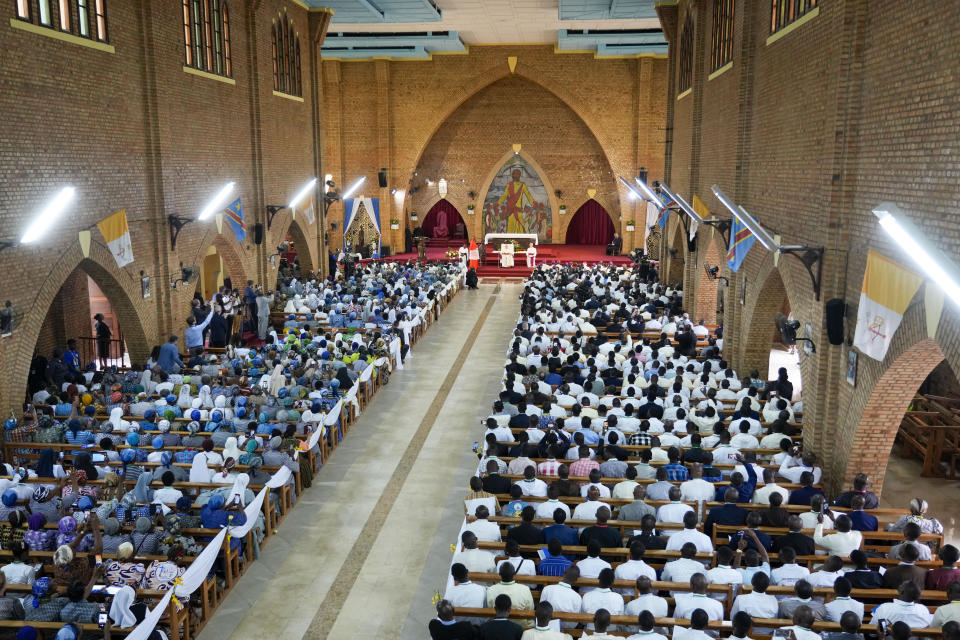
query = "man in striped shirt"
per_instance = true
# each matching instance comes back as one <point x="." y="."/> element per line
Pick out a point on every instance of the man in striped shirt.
<point x="582" y="467"/>
<point x="554" y="563"/>
<point x="549" y="466"/>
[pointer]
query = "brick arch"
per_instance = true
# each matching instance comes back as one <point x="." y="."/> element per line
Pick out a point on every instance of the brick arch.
<point x="488" y="180"/>
<point x="120" y="286"/>
<point x="880" y="420"/>
<point x="299" y="232"/>
<point x="705" y="304"/>
<point x="471" y="87"/>
<point x="234" y="258"/>
<point x="759" y="331"/>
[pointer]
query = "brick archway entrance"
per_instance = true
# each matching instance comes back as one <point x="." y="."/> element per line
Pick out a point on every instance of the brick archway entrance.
<point x="762" y="333"/>
<point x="885" y="409"/>
<point x="709" y="290"/>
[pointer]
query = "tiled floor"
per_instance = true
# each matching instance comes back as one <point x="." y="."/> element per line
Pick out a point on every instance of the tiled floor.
<point x="319" y="570"/>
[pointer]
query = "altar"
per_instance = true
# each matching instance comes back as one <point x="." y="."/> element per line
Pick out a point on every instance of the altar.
<point x="529" y="237"/>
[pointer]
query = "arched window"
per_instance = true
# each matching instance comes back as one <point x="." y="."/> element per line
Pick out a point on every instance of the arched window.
<point x="686" y="56"/>
<point x="286" y="58"/>
<point x="206" y="36"/>
<point x="84" y="18"/>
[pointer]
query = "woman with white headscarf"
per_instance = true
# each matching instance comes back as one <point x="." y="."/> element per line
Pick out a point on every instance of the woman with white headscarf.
<point x="206" y="398"/>
<point x="231" y="449"/>
<point x="184" y="400"/>
<point x="120" y="609"/>
<point x="199" y="471"/>
<point x="220" y="402"/>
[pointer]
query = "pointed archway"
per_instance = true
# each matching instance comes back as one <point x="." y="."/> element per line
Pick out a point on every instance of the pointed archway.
<point x="444" y="221"/>
<point x="591" y="224"/>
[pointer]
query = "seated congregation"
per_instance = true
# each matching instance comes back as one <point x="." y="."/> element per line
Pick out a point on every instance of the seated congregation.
<point x="630" y="484"/>
<point x="141" y="496"/>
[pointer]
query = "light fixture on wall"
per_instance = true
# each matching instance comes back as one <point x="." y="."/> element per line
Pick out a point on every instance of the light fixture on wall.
<point x="353" y="188"/>
<point x="273" y="209"/>
<point x="45" y="219"/>
<point x="928" y="257"/>
<point x="809" y="255"/>
<point x="442" y="187"/>
<point x="676" y="197"/>
<point x="216" y="204"/>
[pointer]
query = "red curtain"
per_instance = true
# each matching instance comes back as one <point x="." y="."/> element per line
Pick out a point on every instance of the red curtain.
<point x="431" y="224"/>
<point x="591" y="224"/>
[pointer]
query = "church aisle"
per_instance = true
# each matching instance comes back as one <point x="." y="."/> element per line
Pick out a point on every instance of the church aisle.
<point x="321" y="548"/>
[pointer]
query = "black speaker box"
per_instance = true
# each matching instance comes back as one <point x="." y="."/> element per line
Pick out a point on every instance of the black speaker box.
<point x="382" y="177"/>
<point x="836" y="310"/>
<point x="385" y="251"/>
<point x="258" y="233"/>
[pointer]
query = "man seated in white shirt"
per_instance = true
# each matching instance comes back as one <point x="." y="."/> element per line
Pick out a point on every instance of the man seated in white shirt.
<point x="743" y="439"/>
<point x="803" y="620"/>
<point x="562" y="596"/>
<point x="699" y="620"/>
<point x="464" y="593"/>
<point x="592" y="565"/>
<point x="482" y="528"/>
<point x="531" y="485"/>
<point x="843" y="541"/>
<point x="689" y="533"/>
<point x="741" y="624"/>
<point x="602" y="489"/>
<point x="646" y="624"/>
<point x="758" y="603"/>
<point x="646" y="600"/>
<point x="789" y="572"/>
<point x="521" y="566"/>
<point x="843" y="603"/>
<point x="588" y="510"/>
<point x="681" y="569"/>
<point x="634" y="567"/>
<point x="603" y="597"/>
<point x="905" y="608"/>
<point x="696" y="488"/>
<point x="542" y="630"/>
<point x="723" y="573"/>
<point x="791" y="468"/>
<point x="830" y="570"/>
<point x="673" y="511"/>
<point x="762" y="494"/>
<point x="474" y="559"/>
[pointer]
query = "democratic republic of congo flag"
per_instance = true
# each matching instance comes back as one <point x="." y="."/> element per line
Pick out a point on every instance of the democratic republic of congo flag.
<point x="740" y="242"/>
<point x="234" y="214"/>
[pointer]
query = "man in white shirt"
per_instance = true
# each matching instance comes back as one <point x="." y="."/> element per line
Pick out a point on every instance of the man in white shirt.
<point x="842" y="603"/>
<point x="803" y="624"/>
<point x="789" y="572"/>
<point x="673" y="511"/>
<point x="646" y="622"/>
<point x="905" y="608"/>
<point x="546" y="508"/>
<point x="542" y="630"/>
<point x="634" y="567"/>
<point x="743" y="439"/>
<point x="168" y="494"/>
<point x="474" y="559"/>
<point x="531" y="485"/>
<point x="762" y="494"/>
<point x="603" y="491"/>
<point x="464" y="593"/>
<point x="690" y="534"/>
<point x="698" y="627"/>
<point x="843" y="541"/>
<point x="482" y="528"/>
<point x="827" y="575"/>
<point x="562" y="596"/>
<point x="588" y="510"/>
<point x="696" y="488"/>
<point x="947" y="612"/>
<point x="592" y="565"/>
<point x="758" y="603"/>
<point x="646" y="601"/>
<point x="791" y="468"/>
<point x="681" y="569"/>
<point x="723" y="573"/>
<point x="624" y="490"/>
<point x="603" y="597"/>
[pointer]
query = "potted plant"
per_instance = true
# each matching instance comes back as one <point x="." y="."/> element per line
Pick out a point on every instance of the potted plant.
<point x="394" y="223"/>
<point x="563" y="209"/>
<point x="630" y="226"/>
<point x="470" y="208"/>
<point x="413" y="216"/>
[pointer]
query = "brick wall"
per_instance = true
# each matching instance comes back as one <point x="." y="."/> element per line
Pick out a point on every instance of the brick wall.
<point x="131" y="130"/>
<point x="808" y="132"/>
<point x="583" y="121"/>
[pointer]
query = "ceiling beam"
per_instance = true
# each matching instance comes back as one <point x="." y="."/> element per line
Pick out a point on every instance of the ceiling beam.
<point x="372" y="8"/>
<point x="433" y="8"/>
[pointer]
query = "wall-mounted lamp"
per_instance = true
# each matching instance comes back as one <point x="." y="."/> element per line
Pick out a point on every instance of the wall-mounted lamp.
<point x="215" y="204"/>
<point x="273" y="209"/>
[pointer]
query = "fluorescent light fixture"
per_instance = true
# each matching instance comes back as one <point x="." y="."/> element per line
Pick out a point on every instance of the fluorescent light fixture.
<point x="302" y="194"/>
<point x="649" y="195"/>
<point x="218" y="201"/>
<point x="748" y="220"/>
<point x="928" y="257"/>
<point x="631" y="190"/>
<point x="45" y="219"/>
<point x="684" y="206"/>
<point x="353" y="187"/>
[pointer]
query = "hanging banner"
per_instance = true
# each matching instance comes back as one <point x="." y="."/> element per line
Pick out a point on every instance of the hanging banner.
<point x="887" y="289"/>
<point x="117" y="234"/>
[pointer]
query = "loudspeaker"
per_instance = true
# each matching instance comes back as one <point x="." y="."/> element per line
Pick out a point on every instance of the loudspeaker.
<point x="836" y="310"/>
<point x="384" y="251"/>
<point x="382" y="177"/>
<point x="258" y="233"/>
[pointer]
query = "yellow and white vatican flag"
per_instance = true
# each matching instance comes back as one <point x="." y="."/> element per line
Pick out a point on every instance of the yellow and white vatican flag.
<point x="117" y="234"/>
<point x="887" y="289"/>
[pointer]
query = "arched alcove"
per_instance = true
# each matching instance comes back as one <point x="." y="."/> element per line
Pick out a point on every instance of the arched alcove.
<point x="676" y="252"/>
<point x="590" y="225"/>
<point x="710" y="298"/>
<point x="444" y="221"/>
<point x="295" y="234"/>
<point x="762" y="347"/>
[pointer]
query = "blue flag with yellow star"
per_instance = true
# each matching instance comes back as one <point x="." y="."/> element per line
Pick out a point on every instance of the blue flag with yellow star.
<point x="234" y="215"/>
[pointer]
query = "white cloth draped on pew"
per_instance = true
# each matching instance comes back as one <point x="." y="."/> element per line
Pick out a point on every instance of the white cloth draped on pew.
<point x="252" y="510"/>
<point x="143" y="630"/>
<point x="199" y="569"/>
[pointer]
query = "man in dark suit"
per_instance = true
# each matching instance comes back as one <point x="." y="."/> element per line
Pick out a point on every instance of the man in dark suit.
<point x="906" y="570"/>
<point x="501" y="628"/>
<point x="727" y="513"/>
<point x="648" y="535"/>
<point x="601" y="532"/>
<point x="566" y="534"/>
<point x="615" y="246"/>
<point x="526" y="532"/>
<point x="805" y="493"/>
<point x="860" y="483"/>
<point x="494" y="482"/>
<point x="862" y="521"/>
<point x="801" y="543"/>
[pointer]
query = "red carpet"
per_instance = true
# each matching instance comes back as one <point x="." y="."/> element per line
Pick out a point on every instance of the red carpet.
<point x="547" y="254"/>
